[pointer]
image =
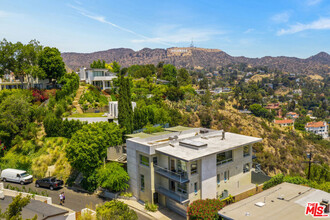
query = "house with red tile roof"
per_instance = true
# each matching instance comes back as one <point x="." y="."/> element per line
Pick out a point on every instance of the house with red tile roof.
<point x="318" y="127"/>
<point x="285" y="123"/>
<point x="292" y="115"/>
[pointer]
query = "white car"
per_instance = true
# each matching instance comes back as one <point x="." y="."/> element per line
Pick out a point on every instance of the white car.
<point x="18" y="176"/>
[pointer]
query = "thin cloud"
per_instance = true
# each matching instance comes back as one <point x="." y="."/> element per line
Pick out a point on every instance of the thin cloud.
<point x="281" y="17"/>
<point x="313" y="2"/>
<point x="321" y="24"/>
<point x="248" y="31"/>
<point x="102" y="19"/>
<point x="4" y="14"/>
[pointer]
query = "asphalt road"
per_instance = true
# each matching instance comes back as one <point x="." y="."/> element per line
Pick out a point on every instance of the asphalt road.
<point x="74" y="200"/>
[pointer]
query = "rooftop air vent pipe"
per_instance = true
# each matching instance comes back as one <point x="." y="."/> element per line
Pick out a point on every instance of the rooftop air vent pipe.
<point x="223" y="135"/>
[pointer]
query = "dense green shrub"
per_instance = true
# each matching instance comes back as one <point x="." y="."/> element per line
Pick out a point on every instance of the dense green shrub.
<point x="115" y="210"/>
<point x="151" y="207"/>
<point x="204" y="209"/>
<point x="275" y="180"/>
<point x="112" y="177"/>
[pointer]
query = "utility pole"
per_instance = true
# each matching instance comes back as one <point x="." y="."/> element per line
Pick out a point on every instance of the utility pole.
<point x="309" y="156"/>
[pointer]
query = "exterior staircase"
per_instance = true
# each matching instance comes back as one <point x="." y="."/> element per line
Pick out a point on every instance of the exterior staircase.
<point x="76" y="100"/>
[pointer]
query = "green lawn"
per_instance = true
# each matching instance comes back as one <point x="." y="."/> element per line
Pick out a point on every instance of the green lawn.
<point x="87" y="115"/>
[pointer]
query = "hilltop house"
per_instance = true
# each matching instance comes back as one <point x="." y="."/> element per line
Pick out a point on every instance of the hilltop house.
<point x="181" y="165"/>
<point x="292" y="115"/>
<point x="285" y="123"/>
<point x="97" y="77"/>
<point x="9" y="81"/>
<point x="319" y="128"/>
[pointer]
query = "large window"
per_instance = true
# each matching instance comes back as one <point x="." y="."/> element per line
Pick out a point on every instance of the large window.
<point x="98" y="73"/>
<point x="246" y="151"/>
<point x="182" y="188"/>
<point x="142" y="182"/>
<point x="224" y="157"/>
<point x="193" y="167"/>
<point x="195" y="188"/>
<point x="144" y="160"/>
<point x="218" y="179"/>
<point x="155" y="161"/>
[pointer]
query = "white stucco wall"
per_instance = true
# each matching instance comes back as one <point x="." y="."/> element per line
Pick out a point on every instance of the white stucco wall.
<point x="208" y="177"/>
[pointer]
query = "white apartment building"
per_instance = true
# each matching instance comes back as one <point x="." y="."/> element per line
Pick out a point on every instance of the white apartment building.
<point x="182" y="164"/>
<point x="113" y="109"/>
<point x="319" y="128"/>
<point x="97" y="77"/>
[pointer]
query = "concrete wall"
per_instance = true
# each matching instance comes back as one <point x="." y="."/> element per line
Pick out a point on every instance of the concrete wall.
<point x="237" y="179"/>
<point x="208" y="177"/>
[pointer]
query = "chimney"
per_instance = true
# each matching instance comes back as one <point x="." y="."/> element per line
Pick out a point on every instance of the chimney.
<point x="223" y="135"/>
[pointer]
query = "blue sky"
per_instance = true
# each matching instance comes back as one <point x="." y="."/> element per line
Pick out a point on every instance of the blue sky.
<point x="253" y="28"/>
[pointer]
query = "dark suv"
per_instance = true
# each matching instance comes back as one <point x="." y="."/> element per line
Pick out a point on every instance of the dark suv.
<point x="49" y="182"/>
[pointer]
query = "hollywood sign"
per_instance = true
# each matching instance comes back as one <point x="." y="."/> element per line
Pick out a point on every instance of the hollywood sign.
<point x="179" y="50"/>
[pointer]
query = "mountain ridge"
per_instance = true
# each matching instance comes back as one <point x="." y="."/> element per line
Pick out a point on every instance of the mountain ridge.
<point x="196" y="58"/>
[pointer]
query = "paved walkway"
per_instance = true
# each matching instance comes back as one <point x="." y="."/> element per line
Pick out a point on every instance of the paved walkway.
<point x="162" y="214"/>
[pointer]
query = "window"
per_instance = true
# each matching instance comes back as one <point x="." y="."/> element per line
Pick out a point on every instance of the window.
<point x="218" y="179"/>
<point x="182" y="188"/>
<point x="182" y="166"/>
<point x="172" y="185"/>
<point x="224" y="157"/>
<point x="142" y="182"/>
<point x="144" y="160"/>
<point x="246" y="168"/>
<point x="193" y="167"/>
<point x="154" y="160"/>
<point x="226" y="175"/>
<point x="98" y="73"/>
<point x="195" y="187"/>
<point x="246" y="151"/>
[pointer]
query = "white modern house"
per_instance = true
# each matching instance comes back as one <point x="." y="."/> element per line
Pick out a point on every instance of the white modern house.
<point x="97" y="77"/>
<point x="319" y="128"/>
<point x="181" y="165"/>
<point x="9" y="81"/>
<point x="113" y="109"/>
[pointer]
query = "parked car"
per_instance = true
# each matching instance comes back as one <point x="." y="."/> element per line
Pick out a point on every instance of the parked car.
<point x="49" y="182"/>
<point x="17" y="176"/>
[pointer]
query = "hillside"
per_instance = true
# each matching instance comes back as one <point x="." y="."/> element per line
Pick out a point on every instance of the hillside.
<point x="198" y="57"/>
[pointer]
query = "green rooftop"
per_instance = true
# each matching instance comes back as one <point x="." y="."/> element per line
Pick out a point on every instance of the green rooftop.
<point x="145" y="135"/>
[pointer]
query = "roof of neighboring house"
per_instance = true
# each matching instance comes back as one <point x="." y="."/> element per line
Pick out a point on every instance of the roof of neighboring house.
<point x="315" y="124"/>
<point x="284" y="121"/>
<point x="291" y="113"/>
<point x="145" y="135"/>
<point x="42" y="210"/>
<point x="178" y="128"/>
<point x="292" y="206"/>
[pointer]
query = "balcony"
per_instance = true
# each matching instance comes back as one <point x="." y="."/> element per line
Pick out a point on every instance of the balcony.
<point x="182" y="199"/>
<point x="175" y="176"/>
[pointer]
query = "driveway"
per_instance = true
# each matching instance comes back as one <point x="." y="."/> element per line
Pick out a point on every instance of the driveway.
<point x="73" y="199"/>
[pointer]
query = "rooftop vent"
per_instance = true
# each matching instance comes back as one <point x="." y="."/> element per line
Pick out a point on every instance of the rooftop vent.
<point x="192" y="144"/>
<point x="260" y="204"/>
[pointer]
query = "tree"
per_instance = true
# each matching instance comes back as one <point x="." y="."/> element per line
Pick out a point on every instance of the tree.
<point x="125" y="111"/>
<point x="51" y="62"/>
<point x="113" y="177"/>
<point x="88" y="146"/>
<point x="70" y="84"/>
<point x="113" y="67"/>
<point x="98" y="64"/>
<point x="115" y="210"/>
<point x="170" y="73"/>
<point x="7" y="57"/>
<point x="15" y="114"/>
<point x="184" y="78"/>
<point x="14" y="210"/>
